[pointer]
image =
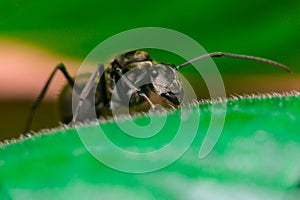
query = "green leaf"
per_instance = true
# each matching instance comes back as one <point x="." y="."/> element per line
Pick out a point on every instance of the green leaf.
<point x="256" y="157"/>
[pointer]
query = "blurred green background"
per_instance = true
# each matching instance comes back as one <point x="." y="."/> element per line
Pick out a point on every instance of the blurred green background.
<point x="71" y="29"/>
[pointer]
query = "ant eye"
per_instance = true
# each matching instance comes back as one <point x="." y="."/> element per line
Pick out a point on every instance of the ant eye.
<point x="154" y="73"/>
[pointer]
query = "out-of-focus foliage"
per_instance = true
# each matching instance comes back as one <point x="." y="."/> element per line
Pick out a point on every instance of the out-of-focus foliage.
<point x="74" y="28"/>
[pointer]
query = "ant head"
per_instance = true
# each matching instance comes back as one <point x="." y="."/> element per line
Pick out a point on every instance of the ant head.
<point x="161" y="78"/>
<point x="166" y="82"/>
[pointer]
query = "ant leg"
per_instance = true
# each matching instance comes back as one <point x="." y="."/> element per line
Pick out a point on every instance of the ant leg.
<point x="149" y="101"/>
<point x="86" y="91"/>
<point x="134" y="88"/>
<point x="61" y="67"/>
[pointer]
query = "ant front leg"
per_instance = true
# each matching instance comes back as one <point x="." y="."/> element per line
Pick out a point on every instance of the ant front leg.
<point x="153" y="106"/>
<point x="134" y="88"/>
<point x="60" y="67"/>
<point x="86" y="91"/>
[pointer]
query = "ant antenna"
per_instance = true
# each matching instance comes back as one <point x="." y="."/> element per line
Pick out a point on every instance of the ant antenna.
<point x="220" y="54"/>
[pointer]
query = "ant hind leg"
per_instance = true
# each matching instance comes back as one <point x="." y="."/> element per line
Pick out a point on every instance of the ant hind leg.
<point x="60" y="67"/>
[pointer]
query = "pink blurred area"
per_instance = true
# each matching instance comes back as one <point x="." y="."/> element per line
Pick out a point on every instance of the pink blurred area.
<point x="26" y="68"/>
